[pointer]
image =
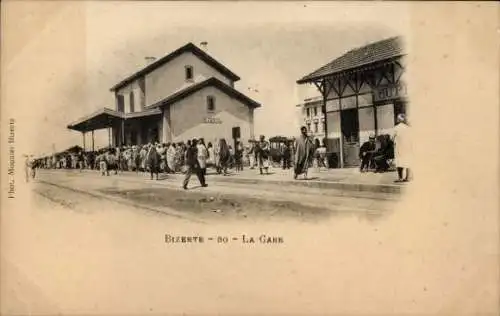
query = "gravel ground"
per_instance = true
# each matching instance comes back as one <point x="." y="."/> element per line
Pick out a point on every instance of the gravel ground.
<point x="226" y="205"/>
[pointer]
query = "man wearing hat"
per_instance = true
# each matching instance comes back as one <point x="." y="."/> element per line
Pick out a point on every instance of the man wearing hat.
<point x="366" y="153"/>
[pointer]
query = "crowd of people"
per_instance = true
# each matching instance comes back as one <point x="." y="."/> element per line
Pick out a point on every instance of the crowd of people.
<point x="195" y="156"/>
<point x="192" y="156"/>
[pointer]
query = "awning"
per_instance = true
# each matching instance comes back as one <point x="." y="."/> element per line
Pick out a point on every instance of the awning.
<point x="141" y="114"/>
<point x="104" y="118"/>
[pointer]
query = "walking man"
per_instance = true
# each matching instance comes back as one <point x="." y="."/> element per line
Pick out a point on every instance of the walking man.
<point x="287" y="152"/>
<point x="303" y="153"/>
<point x="153" y="161"/>
<point x="103" y="165"/>
<point x="193" y="165"/>
<point x="251" y="154"/>
<point x="263" y="154"/>
<point x="202" y="155"/>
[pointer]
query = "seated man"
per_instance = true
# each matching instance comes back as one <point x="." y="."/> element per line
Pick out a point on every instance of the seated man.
<point x="385" y="153"/>
<point x="366" y="153"/>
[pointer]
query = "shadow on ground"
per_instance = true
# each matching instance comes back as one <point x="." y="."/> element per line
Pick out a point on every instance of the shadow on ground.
<point x="219" y="205"/>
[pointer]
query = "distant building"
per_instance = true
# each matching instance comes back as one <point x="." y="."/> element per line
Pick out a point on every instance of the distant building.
<point x="184" y="95"/>
<point x="363" y="91"/>
<point x="312" y="117"/>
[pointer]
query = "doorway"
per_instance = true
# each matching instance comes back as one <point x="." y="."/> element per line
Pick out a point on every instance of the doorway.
<point x="133" y="137"/>
<point x="349" y="124"/>
<point x="399" y="108"/>
<point x="153" y="135"/>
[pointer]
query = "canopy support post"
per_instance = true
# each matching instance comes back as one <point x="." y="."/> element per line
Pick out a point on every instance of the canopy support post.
<point x="93" y="140"/>
<point x="123" y="133"/>
<point x="83" y="137"/>
<point x="109" y="137"/>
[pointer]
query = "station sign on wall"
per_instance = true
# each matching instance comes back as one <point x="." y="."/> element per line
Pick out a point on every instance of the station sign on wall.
<point x="390" y="92"/>
<point x="212" y="120"/>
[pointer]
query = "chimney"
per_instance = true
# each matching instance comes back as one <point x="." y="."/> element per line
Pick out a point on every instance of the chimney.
<point x="204" y="45"/>
<point x="150" y="60"/>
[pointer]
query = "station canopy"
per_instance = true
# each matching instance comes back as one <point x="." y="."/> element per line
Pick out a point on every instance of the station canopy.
<point x="101" y="119"/>
<point x="106" y="118"/>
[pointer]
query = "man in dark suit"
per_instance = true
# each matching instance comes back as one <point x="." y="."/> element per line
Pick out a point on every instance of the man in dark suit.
<point x="366" y="153"/>
<point x="193" y="165"/>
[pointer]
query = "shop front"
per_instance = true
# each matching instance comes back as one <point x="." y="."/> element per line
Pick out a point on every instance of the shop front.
<point x="352" y="119"/>
<point x="361" y="97"/>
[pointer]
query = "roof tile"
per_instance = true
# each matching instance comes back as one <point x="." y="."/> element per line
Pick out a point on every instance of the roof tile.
<point x="371" y="53"/>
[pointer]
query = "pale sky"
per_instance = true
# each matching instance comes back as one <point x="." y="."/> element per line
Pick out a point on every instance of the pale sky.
<point x="269" y="45"/>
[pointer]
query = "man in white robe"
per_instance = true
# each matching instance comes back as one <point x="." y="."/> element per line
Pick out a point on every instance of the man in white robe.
<point x="202" y="155"/>
<point x="403" y="148"/>
<point x="171" y="153"/>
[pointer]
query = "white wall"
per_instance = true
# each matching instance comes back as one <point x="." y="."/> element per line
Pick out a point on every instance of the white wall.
<point x="348" y="103"/>
<point x="125" y="91"/>
<point x="333" y="124"/>
<point x="365" y="88"/>
<point x="365" y="99"/>
<point x="332" y="105"/>
<point x="366" y="123"/>
<point x="188" y="115"/>
<point x="385" y="118"/>
<point x="168" y="78"/>
<point x="332" y="94"/>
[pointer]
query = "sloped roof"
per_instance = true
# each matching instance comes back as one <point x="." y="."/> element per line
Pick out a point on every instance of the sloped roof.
<point x="147" y="112"/>
<point x="187" y="84"/>
<point x="106" y="117"/>
<point x="365" y="55"/>
<point x="190" y="47"/>
<point x="96" y="120"/>
<point x="196" y="86"/>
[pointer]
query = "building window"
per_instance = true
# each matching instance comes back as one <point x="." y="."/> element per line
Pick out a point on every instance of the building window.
<point x="132" y="104"/>
<point x="189" y="72"/>
<point x="142" y="87"/>
<point x="316" y="127"/>
<point x="315" y="111"/>
<point x="308" y="127"/>
<point x="210" y="103"/>
<point x="120" y="103"/>
<point x="308" y="110"/>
